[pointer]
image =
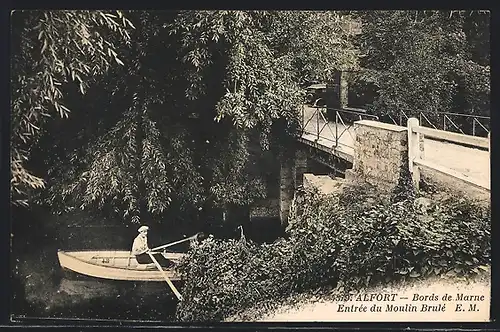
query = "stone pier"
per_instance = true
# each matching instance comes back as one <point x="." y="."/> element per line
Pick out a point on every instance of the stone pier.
<point x="287" y="188"/>
<point x="380" y="154"/>
<point x="300" y="167"/>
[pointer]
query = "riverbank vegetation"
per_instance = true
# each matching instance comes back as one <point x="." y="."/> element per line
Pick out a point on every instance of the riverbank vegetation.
<point x="344" y="241"/>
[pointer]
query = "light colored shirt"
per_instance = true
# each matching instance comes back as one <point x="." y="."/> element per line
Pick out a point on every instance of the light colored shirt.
<point x="140" y="244"/>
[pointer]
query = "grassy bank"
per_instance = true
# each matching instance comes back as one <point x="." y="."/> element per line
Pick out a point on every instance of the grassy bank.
<point x="350" y="240"/>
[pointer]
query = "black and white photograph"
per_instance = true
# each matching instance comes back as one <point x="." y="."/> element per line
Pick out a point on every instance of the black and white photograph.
<point x="224" y="166"/>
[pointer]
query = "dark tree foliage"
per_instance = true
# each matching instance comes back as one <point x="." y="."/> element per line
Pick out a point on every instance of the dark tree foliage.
<point x="426" y="60"/>
<point x="171" y="127"/>
<point x="131" y="137"/>
<point x="51" y="49"/>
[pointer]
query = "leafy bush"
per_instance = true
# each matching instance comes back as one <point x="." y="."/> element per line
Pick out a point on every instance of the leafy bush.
<point x="350" y="240"/>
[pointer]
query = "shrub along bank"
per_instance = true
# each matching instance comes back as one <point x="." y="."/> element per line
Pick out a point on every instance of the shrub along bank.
<point x="352" y="239"/>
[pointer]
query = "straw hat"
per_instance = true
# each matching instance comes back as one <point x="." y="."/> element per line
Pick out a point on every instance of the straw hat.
<point x="143" y="229"/>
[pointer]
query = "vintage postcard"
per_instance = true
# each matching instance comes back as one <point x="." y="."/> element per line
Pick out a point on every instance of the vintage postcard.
<point x="250" y="166"/>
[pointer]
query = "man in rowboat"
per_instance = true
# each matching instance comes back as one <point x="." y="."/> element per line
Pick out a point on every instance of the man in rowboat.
<point x="141" y="251"/>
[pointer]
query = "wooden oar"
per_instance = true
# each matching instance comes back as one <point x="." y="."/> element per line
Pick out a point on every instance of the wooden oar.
<point x="176" y="292"/>
<point x="174" y="243"/>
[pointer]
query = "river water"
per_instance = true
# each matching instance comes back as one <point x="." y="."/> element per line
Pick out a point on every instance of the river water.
<point x="42" y="291"/>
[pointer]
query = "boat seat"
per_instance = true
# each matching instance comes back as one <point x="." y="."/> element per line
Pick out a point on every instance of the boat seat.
<point x="151" y="267"/>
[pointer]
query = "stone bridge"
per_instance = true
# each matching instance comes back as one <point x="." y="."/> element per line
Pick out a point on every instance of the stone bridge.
<point x="378" y="153"/>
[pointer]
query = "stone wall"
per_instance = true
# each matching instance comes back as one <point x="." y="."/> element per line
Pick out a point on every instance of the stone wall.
<point x="324" y="183"/>
<point x="380" y="154"/>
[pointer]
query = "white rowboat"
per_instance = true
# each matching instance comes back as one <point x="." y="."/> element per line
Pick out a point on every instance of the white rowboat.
<point x="115" y="265"/>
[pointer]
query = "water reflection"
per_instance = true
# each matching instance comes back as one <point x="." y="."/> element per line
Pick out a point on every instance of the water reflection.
<point x="97" y="288"/>
<point x="87" y="289"/>
<point x="41" y="289"/>
<point x="106" y="299"/>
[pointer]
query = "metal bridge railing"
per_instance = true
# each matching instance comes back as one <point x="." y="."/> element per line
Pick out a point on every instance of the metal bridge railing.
<point x="332" y="125"/>
<point x="467" y="124"/>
